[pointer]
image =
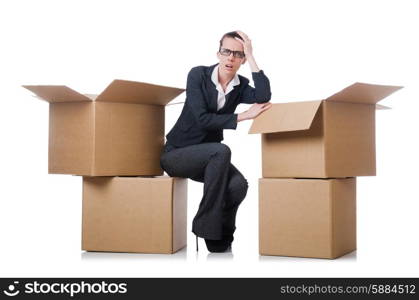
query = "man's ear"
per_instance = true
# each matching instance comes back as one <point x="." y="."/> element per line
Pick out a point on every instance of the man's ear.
<point x="218" y="54"/>
<point x="244" y="61"/>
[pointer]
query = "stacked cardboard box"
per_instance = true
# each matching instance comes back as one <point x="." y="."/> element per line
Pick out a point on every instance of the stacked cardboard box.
<point x="311" y="153"/>
<point x="118" y="133"/>
<point x="134" y="214"/>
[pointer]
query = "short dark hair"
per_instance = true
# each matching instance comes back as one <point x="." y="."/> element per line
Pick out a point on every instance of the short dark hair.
<point x="231" y="34"/>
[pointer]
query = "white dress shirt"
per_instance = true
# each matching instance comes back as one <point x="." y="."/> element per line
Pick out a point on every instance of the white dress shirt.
<point x="221" y="100"/>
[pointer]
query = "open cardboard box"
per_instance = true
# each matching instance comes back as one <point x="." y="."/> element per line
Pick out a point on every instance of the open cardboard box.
<point x="119" y="132"/>
<point x="334" y="137"/>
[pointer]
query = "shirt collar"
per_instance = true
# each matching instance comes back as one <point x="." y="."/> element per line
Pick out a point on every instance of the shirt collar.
<point x="214" y="77"/>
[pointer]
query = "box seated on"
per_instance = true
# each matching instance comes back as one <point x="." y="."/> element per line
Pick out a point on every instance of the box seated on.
<point x="134" y="214"/>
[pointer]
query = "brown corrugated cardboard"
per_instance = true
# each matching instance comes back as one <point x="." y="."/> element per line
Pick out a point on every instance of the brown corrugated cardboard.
<point x="334" y="137"/>
<point x="307" y="217"/>
<point x="134" y="214"/>
<point x="119" y="132"/>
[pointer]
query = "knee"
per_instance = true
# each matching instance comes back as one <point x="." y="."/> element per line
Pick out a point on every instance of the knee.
<point x="223" y="151"/>
<point x="164" y="165"/>
<point x="243" y="187"/>
<point x="162" y="161"/>
<point x="238" y="188"/>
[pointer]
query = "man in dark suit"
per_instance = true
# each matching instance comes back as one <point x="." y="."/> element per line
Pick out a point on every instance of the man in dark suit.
<point x="194" y="149"/>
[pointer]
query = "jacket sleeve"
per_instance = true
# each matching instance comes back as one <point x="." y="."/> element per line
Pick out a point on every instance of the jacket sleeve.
<point x="261" y="93"/>
<point x="195" y="100"/>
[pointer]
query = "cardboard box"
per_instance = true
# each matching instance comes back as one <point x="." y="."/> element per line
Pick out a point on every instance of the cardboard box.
<point x="134" y="214"/>
<point x="328" y="138"/>
<point x="119" y="132"/>
<point x="307" y="217"/>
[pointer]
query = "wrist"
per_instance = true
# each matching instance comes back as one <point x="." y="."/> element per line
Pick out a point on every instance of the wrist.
<point x="252" y="63"/>
<point x="242" y="116"/>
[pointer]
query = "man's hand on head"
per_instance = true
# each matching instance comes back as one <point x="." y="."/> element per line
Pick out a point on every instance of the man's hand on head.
<point x="248" y="51"/>
<point x="246" y="42"/>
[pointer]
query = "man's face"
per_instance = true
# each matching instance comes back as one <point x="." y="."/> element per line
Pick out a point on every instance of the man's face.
<point x="230" y="64"/>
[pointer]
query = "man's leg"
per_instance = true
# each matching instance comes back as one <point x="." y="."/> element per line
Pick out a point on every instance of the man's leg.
<point x="236" y="192"/>
<point x="210" y="161"/>
<point x="237" y="187"/>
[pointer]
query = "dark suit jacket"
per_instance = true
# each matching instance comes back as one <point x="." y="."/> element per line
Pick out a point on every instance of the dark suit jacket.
<point x="199" y="121"/>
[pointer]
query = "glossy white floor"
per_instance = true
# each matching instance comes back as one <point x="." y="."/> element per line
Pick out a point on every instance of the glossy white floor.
<point x="309" y="51"/>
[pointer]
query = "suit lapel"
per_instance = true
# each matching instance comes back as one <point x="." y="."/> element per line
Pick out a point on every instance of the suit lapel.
<point x="211" y="90"/>
<point x="212" y="93"/>
<point x="231" y="100"/>
<point x="232" y="96"/>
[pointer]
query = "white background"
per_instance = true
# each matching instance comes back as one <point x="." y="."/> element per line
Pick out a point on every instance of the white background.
<point x="309" y="50"/>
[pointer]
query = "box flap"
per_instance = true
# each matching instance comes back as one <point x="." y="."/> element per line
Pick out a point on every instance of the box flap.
<point x="138" y="92"/>
<point x="381" y="107"/>
<point x="91" y="96"/>
<point x="56" y="93"/>
<point x="283" y="117"/>
<point x="364" y="93"/>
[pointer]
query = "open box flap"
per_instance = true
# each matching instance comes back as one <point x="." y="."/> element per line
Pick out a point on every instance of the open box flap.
<point x="282" y="117"/>
<point x="138" y="92"/>
<point x="364" y="93"/>
<point x="56" y="93"/>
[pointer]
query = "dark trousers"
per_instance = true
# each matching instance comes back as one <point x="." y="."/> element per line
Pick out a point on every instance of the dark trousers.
<point x="224" y="186"/>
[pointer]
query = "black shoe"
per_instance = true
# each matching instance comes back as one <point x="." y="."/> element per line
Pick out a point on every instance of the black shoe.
<point x="217" y="246"/>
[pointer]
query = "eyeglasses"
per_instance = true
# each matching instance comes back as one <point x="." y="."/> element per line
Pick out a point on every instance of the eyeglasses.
<point x="227" y="52"/>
